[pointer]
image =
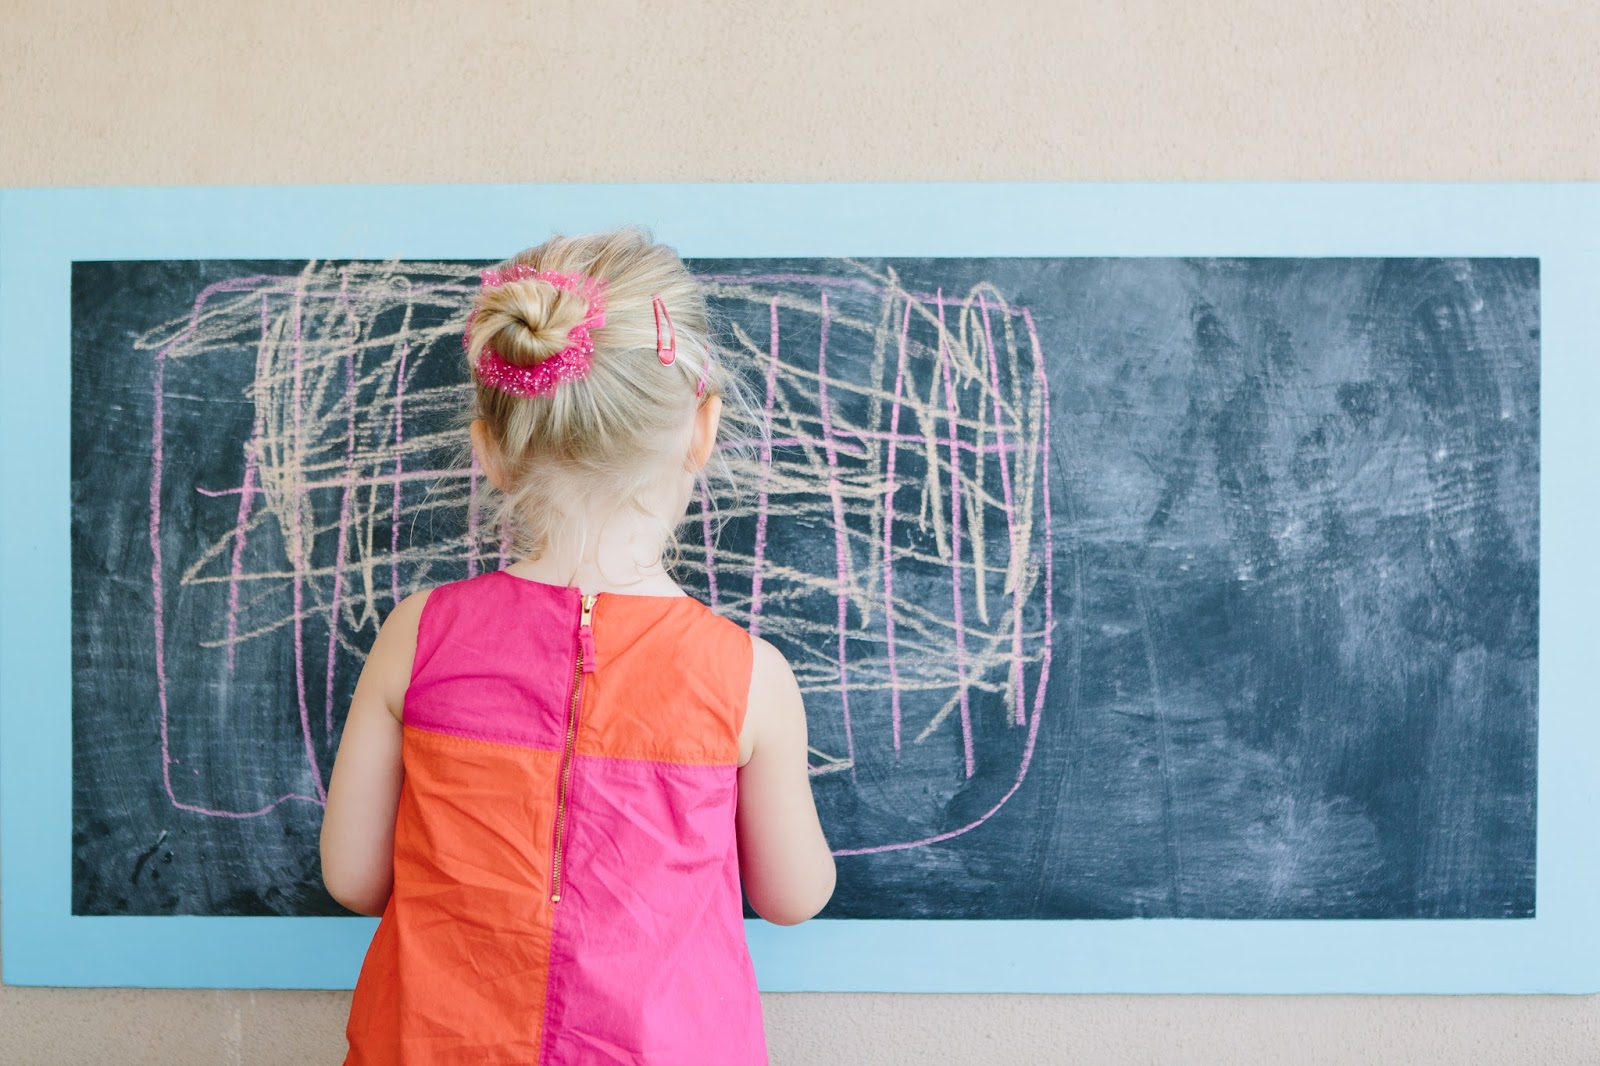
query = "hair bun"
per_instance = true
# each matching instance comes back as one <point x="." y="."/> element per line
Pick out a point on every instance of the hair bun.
<point x="527" y="321"/>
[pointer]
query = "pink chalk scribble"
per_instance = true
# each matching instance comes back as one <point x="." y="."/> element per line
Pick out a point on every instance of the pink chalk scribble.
<point x="325" y="466"/>
<point x="894" y="536"/>
<point x="901" y="537"/>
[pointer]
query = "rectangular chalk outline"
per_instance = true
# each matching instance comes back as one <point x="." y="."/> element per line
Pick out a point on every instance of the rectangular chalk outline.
<point x="43" y="231"/>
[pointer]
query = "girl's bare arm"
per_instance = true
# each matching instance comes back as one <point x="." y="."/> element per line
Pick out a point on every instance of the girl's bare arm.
<point x="364" y="792"/>
<point x="784" y="861"/>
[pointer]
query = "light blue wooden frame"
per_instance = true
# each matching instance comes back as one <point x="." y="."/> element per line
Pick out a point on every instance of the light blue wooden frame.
<point x="43" y="231"/>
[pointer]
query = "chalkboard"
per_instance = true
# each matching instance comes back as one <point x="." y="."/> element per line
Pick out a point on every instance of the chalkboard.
<point x="1117" y="587"/>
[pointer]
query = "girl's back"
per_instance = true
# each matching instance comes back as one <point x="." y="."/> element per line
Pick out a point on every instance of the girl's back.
<point x="566" y="880"/>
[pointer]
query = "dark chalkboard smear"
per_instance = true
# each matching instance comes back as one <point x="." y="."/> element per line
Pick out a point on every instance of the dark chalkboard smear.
<point x="1118" y="587"/>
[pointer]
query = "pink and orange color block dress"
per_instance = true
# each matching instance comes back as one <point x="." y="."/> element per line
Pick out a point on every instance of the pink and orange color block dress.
<point x="566" y="879"/>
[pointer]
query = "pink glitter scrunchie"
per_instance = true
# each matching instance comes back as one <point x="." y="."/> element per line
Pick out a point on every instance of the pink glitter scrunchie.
<point x="570" y="363"/>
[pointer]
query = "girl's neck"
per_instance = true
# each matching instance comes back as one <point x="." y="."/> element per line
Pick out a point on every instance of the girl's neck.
<point x="624" y="557"/>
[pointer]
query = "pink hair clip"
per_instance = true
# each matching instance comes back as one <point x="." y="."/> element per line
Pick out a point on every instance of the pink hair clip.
<point x="667" y="353"/>
<point x="570" y="363"/>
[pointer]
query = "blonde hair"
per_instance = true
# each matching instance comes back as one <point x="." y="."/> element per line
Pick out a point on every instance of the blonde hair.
<point x="617" y="431"/>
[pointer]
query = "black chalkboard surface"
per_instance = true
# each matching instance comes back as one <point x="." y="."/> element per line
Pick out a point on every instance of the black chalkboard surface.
<point x="1117" y="587"/>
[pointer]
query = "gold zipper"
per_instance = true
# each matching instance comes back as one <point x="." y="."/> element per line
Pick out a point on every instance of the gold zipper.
<point x="580" y="667"/>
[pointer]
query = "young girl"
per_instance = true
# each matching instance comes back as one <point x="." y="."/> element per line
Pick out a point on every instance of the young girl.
<point x="555" y="777"/>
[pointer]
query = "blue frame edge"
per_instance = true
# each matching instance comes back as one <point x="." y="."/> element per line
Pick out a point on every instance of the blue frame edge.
<point x="43" y="231"/>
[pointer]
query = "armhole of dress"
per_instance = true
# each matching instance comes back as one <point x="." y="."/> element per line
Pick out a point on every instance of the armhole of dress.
<point x="741" y="699"/>
<point x="424" y="629"/>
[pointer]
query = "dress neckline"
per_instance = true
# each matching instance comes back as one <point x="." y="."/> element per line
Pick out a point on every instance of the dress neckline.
<point x="607" y="593"/>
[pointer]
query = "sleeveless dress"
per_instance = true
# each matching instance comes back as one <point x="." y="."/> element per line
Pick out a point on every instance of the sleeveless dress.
<point x="566" y="879"/>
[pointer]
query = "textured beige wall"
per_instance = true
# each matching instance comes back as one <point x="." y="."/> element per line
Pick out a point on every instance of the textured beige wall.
<point x="104" y="93"/>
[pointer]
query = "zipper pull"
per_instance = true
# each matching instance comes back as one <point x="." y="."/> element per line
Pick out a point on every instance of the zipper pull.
<point x="586" y="634"/>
